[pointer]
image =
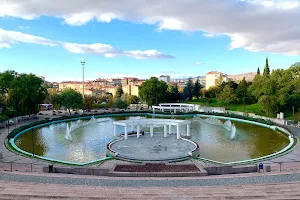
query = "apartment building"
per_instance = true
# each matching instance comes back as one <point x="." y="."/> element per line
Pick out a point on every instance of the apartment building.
<point x="213" y="76"/>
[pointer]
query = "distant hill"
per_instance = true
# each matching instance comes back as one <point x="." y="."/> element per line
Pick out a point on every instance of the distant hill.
<point x="249" y="76"/>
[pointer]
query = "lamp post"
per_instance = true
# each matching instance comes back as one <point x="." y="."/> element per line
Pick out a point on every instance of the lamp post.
<point x="32" y="141"/>
<point x="83" y="63"/>
<point x="293" y="112"/>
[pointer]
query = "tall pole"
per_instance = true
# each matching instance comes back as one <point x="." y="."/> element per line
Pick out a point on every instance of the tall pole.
<point x="32" y="141"/>
<point x="83" y="63"/>
<point x="293" y="112"/>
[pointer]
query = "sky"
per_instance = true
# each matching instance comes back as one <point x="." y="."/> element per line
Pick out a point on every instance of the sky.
<point x="141" y="38"/>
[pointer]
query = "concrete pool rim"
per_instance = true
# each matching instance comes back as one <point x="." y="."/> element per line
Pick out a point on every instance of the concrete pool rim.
<point x="288" y="148"/>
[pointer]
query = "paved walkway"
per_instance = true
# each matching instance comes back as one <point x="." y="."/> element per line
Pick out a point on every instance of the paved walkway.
<point x="9" y="156"/>
<point x="247" y="186"/>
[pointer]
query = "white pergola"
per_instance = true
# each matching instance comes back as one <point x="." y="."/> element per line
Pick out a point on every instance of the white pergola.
<point x="175" y="107"/>
<point x="163" y="122"/>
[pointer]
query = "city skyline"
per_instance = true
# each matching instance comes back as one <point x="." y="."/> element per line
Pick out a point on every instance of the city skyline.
<point x="138" y="39"/>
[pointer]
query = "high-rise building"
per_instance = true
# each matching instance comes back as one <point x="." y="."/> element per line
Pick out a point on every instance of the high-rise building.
<point x="165" y="78"/>
<point x="127" y="80"/>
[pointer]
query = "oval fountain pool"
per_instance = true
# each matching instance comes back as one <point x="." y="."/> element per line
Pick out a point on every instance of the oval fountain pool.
<point x="85" y="141"/>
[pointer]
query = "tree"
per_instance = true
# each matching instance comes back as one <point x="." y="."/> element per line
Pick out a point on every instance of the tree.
<point x="119" y="103"/>
<point x="119" y="91"/>
<point x="227" y="96"/>
<point x="242" y="89"/>
<point x="196" y="89"/>
<point x="88" y="102"/>
<point x="219" y="81"/>
<point x="188" y="90"/>
<point x="269" y="104"/>
<point x="153" y="91"/>
<point x="212" y="92"/>
<point x="267" y="68"/>
<point x="176" y="93"/>
<point x="71" y="99"/>
<point x="6" y="79"/>
<point x="132" y="99"/>
<point x="26" y="93"/>
<point x="258" y="71"/>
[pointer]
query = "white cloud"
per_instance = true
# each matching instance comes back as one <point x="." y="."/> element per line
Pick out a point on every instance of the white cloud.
<point x="24" y="27"/>
<point x="96" y="48"/>
<point x="7" y="38"/>
<point x="199" y="63"/>
<point x="78" y="19"/>
<point x="110" y="55"/>
<point x="255" y="25"/>
<point x="152" y="53"/>
<point x="111" y="52"/>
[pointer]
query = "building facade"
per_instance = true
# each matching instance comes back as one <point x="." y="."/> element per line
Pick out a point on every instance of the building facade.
<point x="165" y="78"/>
<point x="213" y="76"/>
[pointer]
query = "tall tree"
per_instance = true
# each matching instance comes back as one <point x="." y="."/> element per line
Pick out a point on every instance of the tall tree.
<point x="26" y="93"/>
<point x="132" y="99"/>
<point x="242" y="89"/>
<point x="119" y="103"/>
<point x="153" y="91"/>
<point x="188" y="89"/>
<point x="267" y="68"/>
<point x="71" y="99"/>
<point x="196" y="89"/>
<point x="227" y="96"/>
<point x="258" y="71"/>
<point x="88" y="101"/>
<point x="176" y="93"/>
<point x="119" y="91"/>
<point x="268" y="103"/>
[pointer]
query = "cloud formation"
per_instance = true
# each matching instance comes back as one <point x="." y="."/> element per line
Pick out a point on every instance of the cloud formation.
<point x="199" y="63"/>
<point x="7" y="38"/>
<point x="111" y="52"/>
<point x="255" y="25"/>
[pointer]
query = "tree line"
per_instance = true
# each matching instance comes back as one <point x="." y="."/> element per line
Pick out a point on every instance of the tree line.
<point x="20" y="94"/>
<point x="274" y="91"/>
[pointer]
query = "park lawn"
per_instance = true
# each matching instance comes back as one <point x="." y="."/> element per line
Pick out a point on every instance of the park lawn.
<point x="253" y="108"/>
<point x="296" y="117"/>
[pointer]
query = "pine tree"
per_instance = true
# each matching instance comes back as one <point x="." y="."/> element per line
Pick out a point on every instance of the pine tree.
<point x="258" y="71"/>
<point x="196" y="89"/>
<point x="188" y="90"/>
<point x="267" y="68"/>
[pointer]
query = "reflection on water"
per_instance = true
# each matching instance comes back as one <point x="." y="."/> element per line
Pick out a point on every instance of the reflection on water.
<point x="216" y="143"/>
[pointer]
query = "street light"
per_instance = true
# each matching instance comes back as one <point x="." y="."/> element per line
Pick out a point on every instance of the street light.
<point x="83" y="63"/>
<point x="293" y="112"/>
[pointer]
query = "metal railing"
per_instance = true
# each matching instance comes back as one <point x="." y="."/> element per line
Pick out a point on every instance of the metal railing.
<point x="21" y="167"/>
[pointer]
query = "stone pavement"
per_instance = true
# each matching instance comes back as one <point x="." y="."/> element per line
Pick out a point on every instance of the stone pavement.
<point x="147" y="148"/>
<point x="35" y="191"/>
<point x="9" y="156"/>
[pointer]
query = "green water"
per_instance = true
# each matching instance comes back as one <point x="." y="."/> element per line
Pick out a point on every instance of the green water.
<point x="89" y="143"/>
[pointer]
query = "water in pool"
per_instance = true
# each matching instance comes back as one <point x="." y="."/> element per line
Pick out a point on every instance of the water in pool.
<point x="87" y="140"/>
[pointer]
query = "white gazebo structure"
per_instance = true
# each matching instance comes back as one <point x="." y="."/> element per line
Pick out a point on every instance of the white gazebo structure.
<point x="173" y="107"/>
<point x="162" y="122"/>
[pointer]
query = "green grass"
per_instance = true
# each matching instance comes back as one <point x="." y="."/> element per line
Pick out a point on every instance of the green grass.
<point x="253" y="108"/>
<point x="296" y="117"/>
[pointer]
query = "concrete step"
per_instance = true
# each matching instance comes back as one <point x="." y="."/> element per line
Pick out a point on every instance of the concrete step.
<point x="33" y="197"/>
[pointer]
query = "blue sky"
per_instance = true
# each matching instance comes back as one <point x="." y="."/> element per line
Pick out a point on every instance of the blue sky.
<point x="177" y="49"/>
